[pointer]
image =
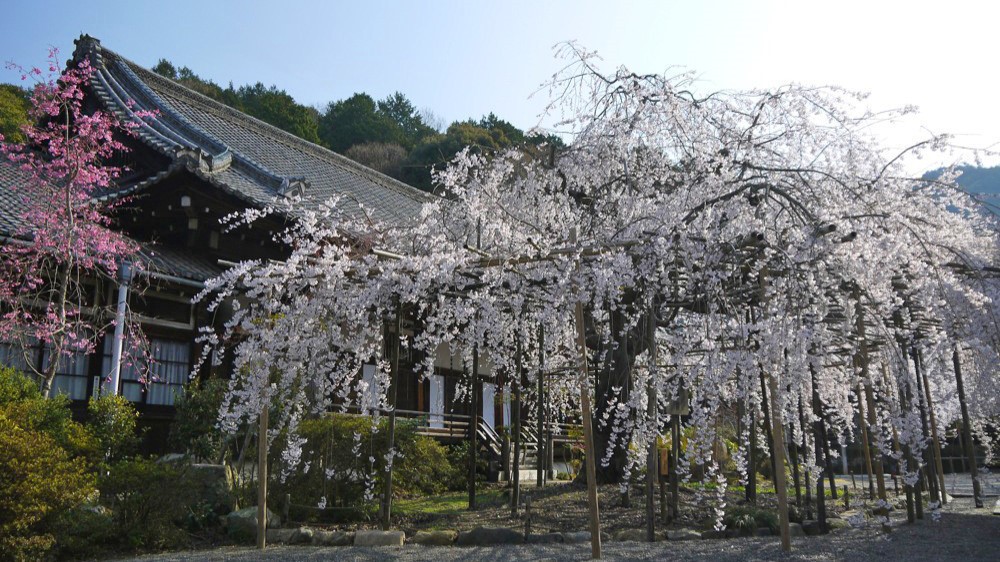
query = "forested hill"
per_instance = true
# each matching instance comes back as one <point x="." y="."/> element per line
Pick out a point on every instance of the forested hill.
<point x="981" y="182"/>
<point x="388" y="135"/>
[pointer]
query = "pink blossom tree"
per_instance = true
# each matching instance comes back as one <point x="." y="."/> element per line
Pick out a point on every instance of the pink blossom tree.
<point x="56" y="262"/>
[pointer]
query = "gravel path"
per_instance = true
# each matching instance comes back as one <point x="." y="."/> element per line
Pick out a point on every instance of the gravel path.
<point x="962" y="533"/>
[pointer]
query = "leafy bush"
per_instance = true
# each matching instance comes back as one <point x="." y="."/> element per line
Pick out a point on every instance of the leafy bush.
<point x="458" y="458"/>
<point x="39" y="481"/>
<point x="194" y="429"/>
<point x="15" y="387"/>
<point x="112" y="421"/>
<point x="748" y="518"/>
<point x="21" y="401"/>
<point x="149" y="501"/>
<point x="86" y="532"/>
<point x="343" y="462"/>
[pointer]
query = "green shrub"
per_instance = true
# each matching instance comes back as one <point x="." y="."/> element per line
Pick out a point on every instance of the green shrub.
<point x="424" y="468"/>
<point x="748" y="518"/>
<point x="39" y="481"/>
<point x="458" y="458"/>
<point x="194" y="429"/>
<point x="112" y="421"/>
<point x="21" y="401"/>
<point x="15" y="387"/>
<point x="149" y="502"/>
<point x="342" y="477"/>
<point x="86" y="532"/>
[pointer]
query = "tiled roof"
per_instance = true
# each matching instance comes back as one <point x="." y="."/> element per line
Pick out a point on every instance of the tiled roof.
<point x="156" y="259"/>
<point x="178" y="263"/>
<point x="235" y="152"/>
<point x="12" y="205"/>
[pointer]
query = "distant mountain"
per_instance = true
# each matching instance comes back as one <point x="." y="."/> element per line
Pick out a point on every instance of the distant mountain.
<point x="984" y="183"/>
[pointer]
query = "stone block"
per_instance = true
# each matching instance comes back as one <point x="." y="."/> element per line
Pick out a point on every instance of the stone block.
<point x="242" y="524"/>
<point x="379" y="538"/>
<point x="332" y="538"/>
<point x="434" y="538"/>
<point x="632" y="535"/>
<point x="682" y="534"/>
<point x="547" y="538"/>
<point x="481" y="536"/>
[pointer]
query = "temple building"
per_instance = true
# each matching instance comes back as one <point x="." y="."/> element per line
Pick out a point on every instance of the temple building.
<point x="196" y="162"/>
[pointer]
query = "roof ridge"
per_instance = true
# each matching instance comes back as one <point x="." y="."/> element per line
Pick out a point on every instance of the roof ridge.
<point x="277" y="134"/>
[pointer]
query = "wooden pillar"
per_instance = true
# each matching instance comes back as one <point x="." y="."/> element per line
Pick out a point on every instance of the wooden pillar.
<point x="474" y="427"/>
<point x="829" y="457"/>
<point x="818" y="439"/>
<point x="805" y="450"/>
<point x="970" y="445"/>
<point x="906" y="395"/>
<point x="877" y="466"/>
<point x="865" y="365"/>
<point x="794" y="450"/>
<point x="866" y="444"/>
<point x="932" y="482"/>
<point x="262" y="474"/>
<point x="936" y="443"/>
<point x="588" y="430"/>
<point x="540" y="408"/>
<point x="675" y="463"/>
<point x="652" y="473"/>
<point x="778" y="448"/>
<point x="515" y="493"/>
<point x="766" y="422"/>
<point x="393" y="341"/>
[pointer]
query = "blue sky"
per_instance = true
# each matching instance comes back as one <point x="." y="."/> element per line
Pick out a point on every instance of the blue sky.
<point x="466" y="58"/>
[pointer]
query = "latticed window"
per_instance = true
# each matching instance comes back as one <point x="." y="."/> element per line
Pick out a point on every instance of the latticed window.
<point x="71" y="372"/>
<point x="169" y="369"/>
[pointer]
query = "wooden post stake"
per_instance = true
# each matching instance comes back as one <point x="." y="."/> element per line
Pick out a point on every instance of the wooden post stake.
<point x="474" y="427"/>
<point x="262" y="475"/>
<point x="778" y="449"/>
<point x="393" y="386"/>
<point x="652" y="474"/>
<point x="970" y="445"/>
<point x="515" y="492"/>
<point x="539" y="439"/>
<point x="588" y="429"/>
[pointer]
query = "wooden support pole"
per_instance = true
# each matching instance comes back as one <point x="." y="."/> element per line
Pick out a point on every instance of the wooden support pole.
<point x="970" y="445"/>
<point x="588" y="432"/>
<point x="652" y="473"/>
<point x="675" y="463"/>
<point x="751" y="490"/>
<point x="829" y="457"/>
<point x="906" y="399"/>
<point x="877" y="466"/>
<point x="540" y="407"/>
<point x="936" y="443"/>
<point x="766" y="422"/>
<point x="477" y="394"/>
<point x="262" y="475"/>
<point x="794" y="450"/>
<point x="865" y="365"/>
<point x="393" y="341"/>
<point x="866" y="444"/>
<point x="932" y="482"/>
<point x="805" y="450"/>
<point x="778" y="448"/>
<point x="515" y="493"/>
<point x="818" y="438"/>
<point x="474" y="428"/>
